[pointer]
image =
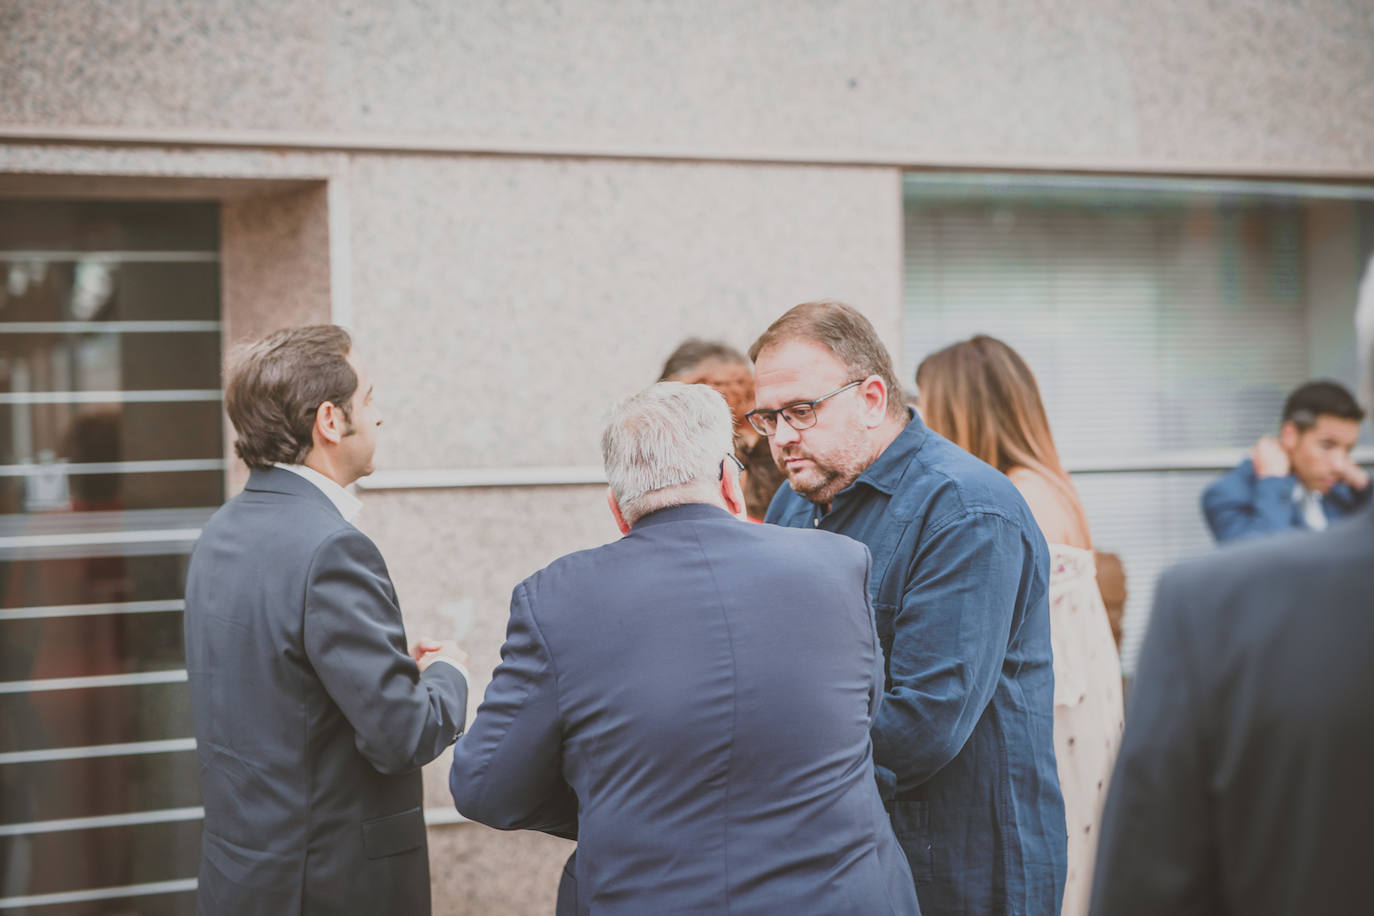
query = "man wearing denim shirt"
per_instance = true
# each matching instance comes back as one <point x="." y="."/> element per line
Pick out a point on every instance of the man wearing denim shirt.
<point x="963" y="742"/>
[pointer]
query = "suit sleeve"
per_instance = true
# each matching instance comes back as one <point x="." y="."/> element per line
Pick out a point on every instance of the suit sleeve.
<point x="1348" y="499"/>
<point x="508" y="769"/>
<point x="356" y="642"/>
<point x="1238" y="507"/>
<point x="886" y="779"/>
<point x="949" y="640"/>
<point x="1156" y="853"/>
<point x="878" y="676"/>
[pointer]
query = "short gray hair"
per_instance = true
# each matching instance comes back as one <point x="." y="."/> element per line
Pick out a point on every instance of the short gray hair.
<point x="663" y="447"/>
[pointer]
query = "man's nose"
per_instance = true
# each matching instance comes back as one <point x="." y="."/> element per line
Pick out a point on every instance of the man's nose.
<point x="784" y="433"/>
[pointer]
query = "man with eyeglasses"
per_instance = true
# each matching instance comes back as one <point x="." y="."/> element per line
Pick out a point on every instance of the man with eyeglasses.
<point x="691" y="703"/>
<point x="963" y="742"/>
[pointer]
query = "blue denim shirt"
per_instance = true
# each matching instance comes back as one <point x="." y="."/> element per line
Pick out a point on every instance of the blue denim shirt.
<point x="963" y="742"/>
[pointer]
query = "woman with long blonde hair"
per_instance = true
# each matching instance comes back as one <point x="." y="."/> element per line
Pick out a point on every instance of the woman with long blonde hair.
<point x="982" y="396"/>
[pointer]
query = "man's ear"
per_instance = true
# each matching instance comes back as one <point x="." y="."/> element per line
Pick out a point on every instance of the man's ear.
<point x="1289" y="436"/>
<point x="875" y="394"/>
<point x="620" y="522"/>
<point x="733" y="494"/>
<point x="330" y="423"/>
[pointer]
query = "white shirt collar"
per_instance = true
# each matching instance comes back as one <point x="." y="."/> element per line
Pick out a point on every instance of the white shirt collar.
<point x="1309" y="503"/>
<point x="348" y="505"/>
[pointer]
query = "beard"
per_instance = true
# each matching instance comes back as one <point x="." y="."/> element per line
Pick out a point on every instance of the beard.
<point x="821" y="478"/>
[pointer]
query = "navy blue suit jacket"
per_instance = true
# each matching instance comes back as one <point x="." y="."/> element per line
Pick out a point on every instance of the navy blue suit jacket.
<point x="1240" y="504"/>
<point x="693" y="703"/>
<point x="1243" y="783"/>
<point x="312" y="721"/>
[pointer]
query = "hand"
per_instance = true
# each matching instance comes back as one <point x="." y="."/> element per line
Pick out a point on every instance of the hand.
<point x="1269" y="458"/>
<point x="428" y="649"/>
<point x="1354" y="475"/>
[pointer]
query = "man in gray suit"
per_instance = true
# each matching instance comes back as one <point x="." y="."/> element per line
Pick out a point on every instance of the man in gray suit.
<point x="312" y="718"/>
<point x="693" y="701"/>
<point x="1243" y="781"/>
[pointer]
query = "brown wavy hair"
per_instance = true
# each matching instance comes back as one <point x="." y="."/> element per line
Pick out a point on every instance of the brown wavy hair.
<point x="980" y="394"/>
<point x="274" y="386"/>
<point x="845" y="332"/>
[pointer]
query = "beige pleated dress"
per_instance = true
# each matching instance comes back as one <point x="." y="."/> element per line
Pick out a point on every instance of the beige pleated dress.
<point x="1087" y="708"/>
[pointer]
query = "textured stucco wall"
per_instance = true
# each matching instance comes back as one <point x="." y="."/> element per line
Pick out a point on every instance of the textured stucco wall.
<point x="504" y="303"/>
<point x="1229" y="83"/>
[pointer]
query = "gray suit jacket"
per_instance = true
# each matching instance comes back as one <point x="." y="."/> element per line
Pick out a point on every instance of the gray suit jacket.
<point x="693" y="704"/>
<point x="311" y="718"/>
<point x="1244" y="779"/>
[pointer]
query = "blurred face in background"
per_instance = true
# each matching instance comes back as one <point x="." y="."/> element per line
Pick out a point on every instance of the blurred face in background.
<point x="733" y="380"/>
<point x="1320" y="455"/>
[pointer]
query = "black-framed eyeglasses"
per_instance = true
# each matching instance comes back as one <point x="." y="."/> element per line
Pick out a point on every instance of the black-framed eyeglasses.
<point x="799" y="416"/>
<point x="739" y="464"/>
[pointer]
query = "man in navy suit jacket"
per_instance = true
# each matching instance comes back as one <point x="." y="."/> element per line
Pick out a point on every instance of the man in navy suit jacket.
<point x="692" y="702"/>
<point x="312" y="718"/>
<point x="1303" y="479"/>
<point x="1243" y="782"/>
<point x="1242" y="785"/>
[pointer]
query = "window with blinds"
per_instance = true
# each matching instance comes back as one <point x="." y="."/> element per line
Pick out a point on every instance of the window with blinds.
<point x="1166" y="321"/>
<point x="111" y="458"/>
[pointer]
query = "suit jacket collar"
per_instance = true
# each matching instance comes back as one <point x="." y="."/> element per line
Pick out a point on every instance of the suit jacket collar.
<point x="691" y="512"/>
<point x="278" y="480"/>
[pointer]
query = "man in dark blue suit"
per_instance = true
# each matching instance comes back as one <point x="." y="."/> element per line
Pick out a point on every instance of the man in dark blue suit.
<point x="312" y="718"/>
<point x="692" y="702"/>
<point x="1303" y="479"/>
<point x="1243" y="781"/>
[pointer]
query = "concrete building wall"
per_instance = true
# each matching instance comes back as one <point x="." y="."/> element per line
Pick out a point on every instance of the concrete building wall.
<point x="1229" y="85"/>
<point x="520" y="208"/>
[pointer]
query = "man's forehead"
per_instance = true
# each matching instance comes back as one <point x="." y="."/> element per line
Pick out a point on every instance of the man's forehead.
<point x="1339" y="428"/>
<point x="796" y="362"/>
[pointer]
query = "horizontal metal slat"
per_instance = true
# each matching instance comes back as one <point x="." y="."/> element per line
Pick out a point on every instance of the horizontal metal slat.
<point x="98" y="538"/>
<point x="133" y="819"/>
<point x="434" y="817"/>
<point x="128" y="257"/>
<point x="109" y="327"/>
<point x="179" y="886"/>
<point x="131" y="749"/>
<point x="134" y="679"/>
<point x="44" y="612"/>
<point x="114" y="467"/>
<point x="164" y="396"/>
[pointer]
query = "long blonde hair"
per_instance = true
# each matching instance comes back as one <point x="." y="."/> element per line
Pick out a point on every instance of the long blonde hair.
<point x="980" y="394"/>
